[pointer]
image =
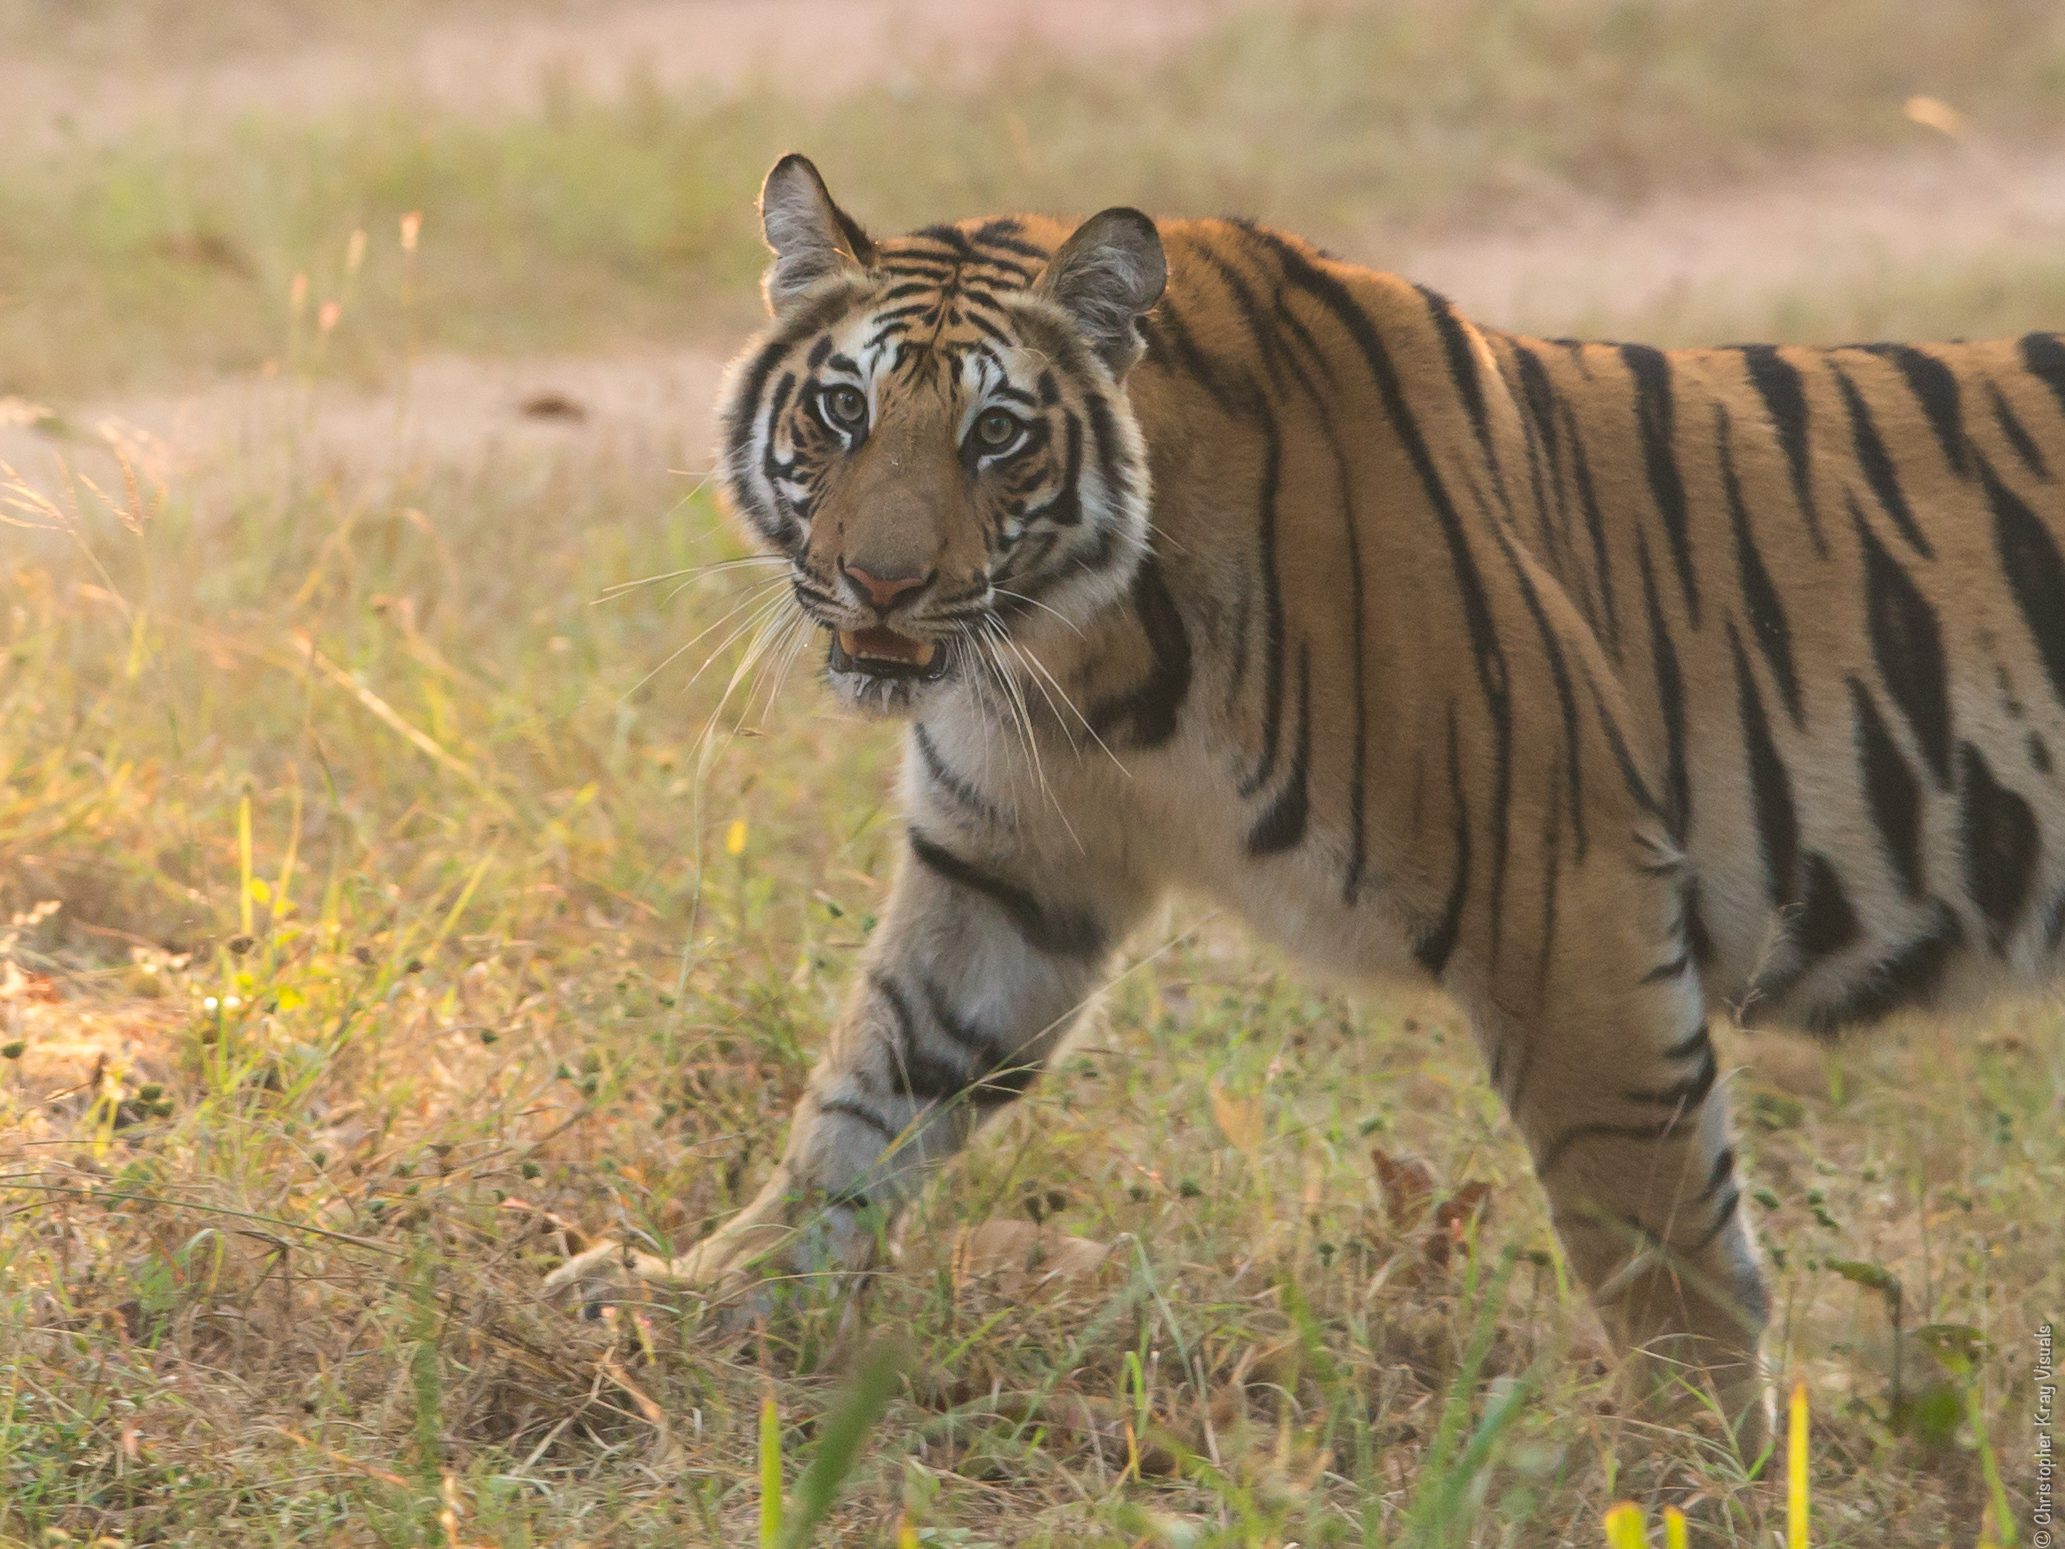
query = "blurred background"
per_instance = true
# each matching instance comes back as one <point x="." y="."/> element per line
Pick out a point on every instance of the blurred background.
<point x="404" y="814"/>
<point x="1685" y="172"/>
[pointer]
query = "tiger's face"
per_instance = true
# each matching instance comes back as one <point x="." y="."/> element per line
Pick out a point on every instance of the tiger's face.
<point x="934" y="430"/>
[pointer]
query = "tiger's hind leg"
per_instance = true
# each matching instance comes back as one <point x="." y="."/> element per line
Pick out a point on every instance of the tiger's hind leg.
<point x="1612" y="1077"/>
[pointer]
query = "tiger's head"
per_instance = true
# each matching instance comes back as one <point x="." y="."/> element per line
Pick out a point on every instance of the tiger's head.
<point x="934" y="430"/>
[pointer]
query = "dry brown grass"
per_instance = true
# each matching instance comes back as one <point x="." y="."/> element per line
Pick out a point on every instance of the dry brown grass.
<point x="284" y="1163"/>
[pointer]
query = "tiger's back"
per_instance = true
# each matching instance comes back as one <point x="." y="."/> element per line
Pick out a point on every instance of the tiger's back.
<point x="1822" y="588"/>
<point x="1830" y="583"/>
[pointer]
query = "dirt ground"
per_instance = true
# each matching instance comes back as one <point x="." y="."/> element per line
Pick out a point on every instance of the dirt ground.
<point x="1582" y="268"/>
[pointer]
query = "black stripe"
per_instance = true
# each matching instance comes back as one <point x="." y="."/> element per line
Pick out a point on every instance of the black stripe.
<point x="1170" y="346"/>
<point x="1677" y="967"/>
<point x="1245" y="302"/>
<point x="1825" y="923"/>
<point x="1623" y="760"/>
<point x="1658" y="1129"/>
<point x="1685" y="1095"/>
<point x="1999" y="842"/>
<point x="1066" y="508"/>
<point x="937" y="266"/>
<point x="925" y="1077"/>
<point x="1877" y="465"/>
<point x="1771" y="792"/>
<point x="1154" y="705"/>
<point x="1292" y="324"/>
<point x="999" y="1075"/>
<point x="1934" y="386"/>
<point x="1358" y="668"/>
<point x="1655" y="417"/>
<point x="1890" y="789"/>
<point x="866" y="1115"/>
<point x="1692" y="923"/>
<point x="1434" y="949"/>
<point x="1104" y="430"/>
<point x="1462" y="372"/>
<point x="1701" y="1037"/>
<point x="947" y="236"/>
<point x="984" y="1052"/>
<point x="1272" y="606"/>
<point x="2044" y="356"/>
<point x="1670" y="699"/>
<point x="2018" y="438"/>
<point x="1595" y="526"/>
<point x="1909" y="975"/>
<point x="1060" y="934"/>
<point x="1003" y="233"/>
<point x="1283" y="825"/>
<point x="1566" y="700"/>
<point x="1778" y="383"/>
<point x="1908" y="646"/>
<point x="2039" y="754"/>
<point x="1552" y="868"/>
<point x="984" y="326"/>
<point x="1722" y="1170"/>
<point x="949" y="780"/>
<point x="1538" y="394"/>
<point x="1724" y="1213"/>
<point x="2034" y="571"/>
<point x="1767" y="620"/>
<point x="1273" y="348"/>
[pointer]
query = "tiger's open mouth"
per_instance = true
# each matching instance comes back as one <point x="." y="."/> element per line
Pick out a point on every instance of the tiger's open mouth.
<point x="883" y="653"/>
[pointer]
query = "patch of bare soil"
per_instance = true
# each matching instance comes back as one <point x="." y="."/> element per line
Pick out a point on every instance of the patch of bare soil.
<point x="447" y="411"/>
<point x="75" y="1052"/>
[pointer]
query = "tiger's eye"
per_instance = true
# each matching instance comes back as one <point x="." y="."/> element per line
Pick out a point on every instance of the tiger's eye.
<point x="996" y="429"/>
<point x="846" y="407"/>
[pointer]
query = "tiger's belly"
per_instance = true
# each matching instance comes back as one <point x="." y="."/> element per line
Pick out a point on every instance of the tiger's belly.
<point x="1184" y="811"/>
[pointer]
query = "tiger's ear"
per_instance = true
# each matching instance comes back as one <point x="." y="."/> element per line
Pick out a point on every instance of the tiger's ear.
<point x="811" y="236"/>
<point x="1105" y="276"/>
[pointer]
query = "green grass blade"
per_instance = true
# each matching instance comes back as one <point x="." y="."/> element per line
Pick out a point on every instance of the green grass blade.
<point x="838" y="1447"/>
<point x="770" y="1472"/>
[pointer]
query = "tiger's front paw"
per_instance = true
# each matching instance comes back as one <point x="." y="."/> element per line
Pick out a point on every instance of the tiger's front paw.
<point x="607" y="1274"/>
<point x="722" y="1270"/>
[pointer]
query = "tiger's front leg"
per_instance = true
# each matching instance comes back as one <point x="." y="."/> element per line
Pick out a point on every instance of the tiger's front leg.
<point x="998" y="927"/>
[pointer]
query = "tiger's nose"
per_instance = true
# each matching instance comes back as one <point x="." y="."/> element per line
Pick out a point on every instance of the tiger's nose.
<point x="883" y="593"/>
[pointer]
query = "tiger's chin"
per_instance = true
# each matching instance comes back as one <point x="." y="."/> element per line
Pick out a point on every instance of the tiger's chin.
<point x="883" y="672"/>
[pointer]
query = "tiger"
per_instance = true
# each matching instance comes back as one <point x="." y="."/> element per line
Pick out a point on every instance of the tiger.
<point x="1605" y="687"/>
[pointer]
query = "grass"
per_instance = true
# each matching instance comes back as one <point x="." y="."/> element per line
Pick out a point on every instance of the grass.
<point x="404" y="938"/>
<point x="298" y="1304"/>
<point x="170" y="253"/>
